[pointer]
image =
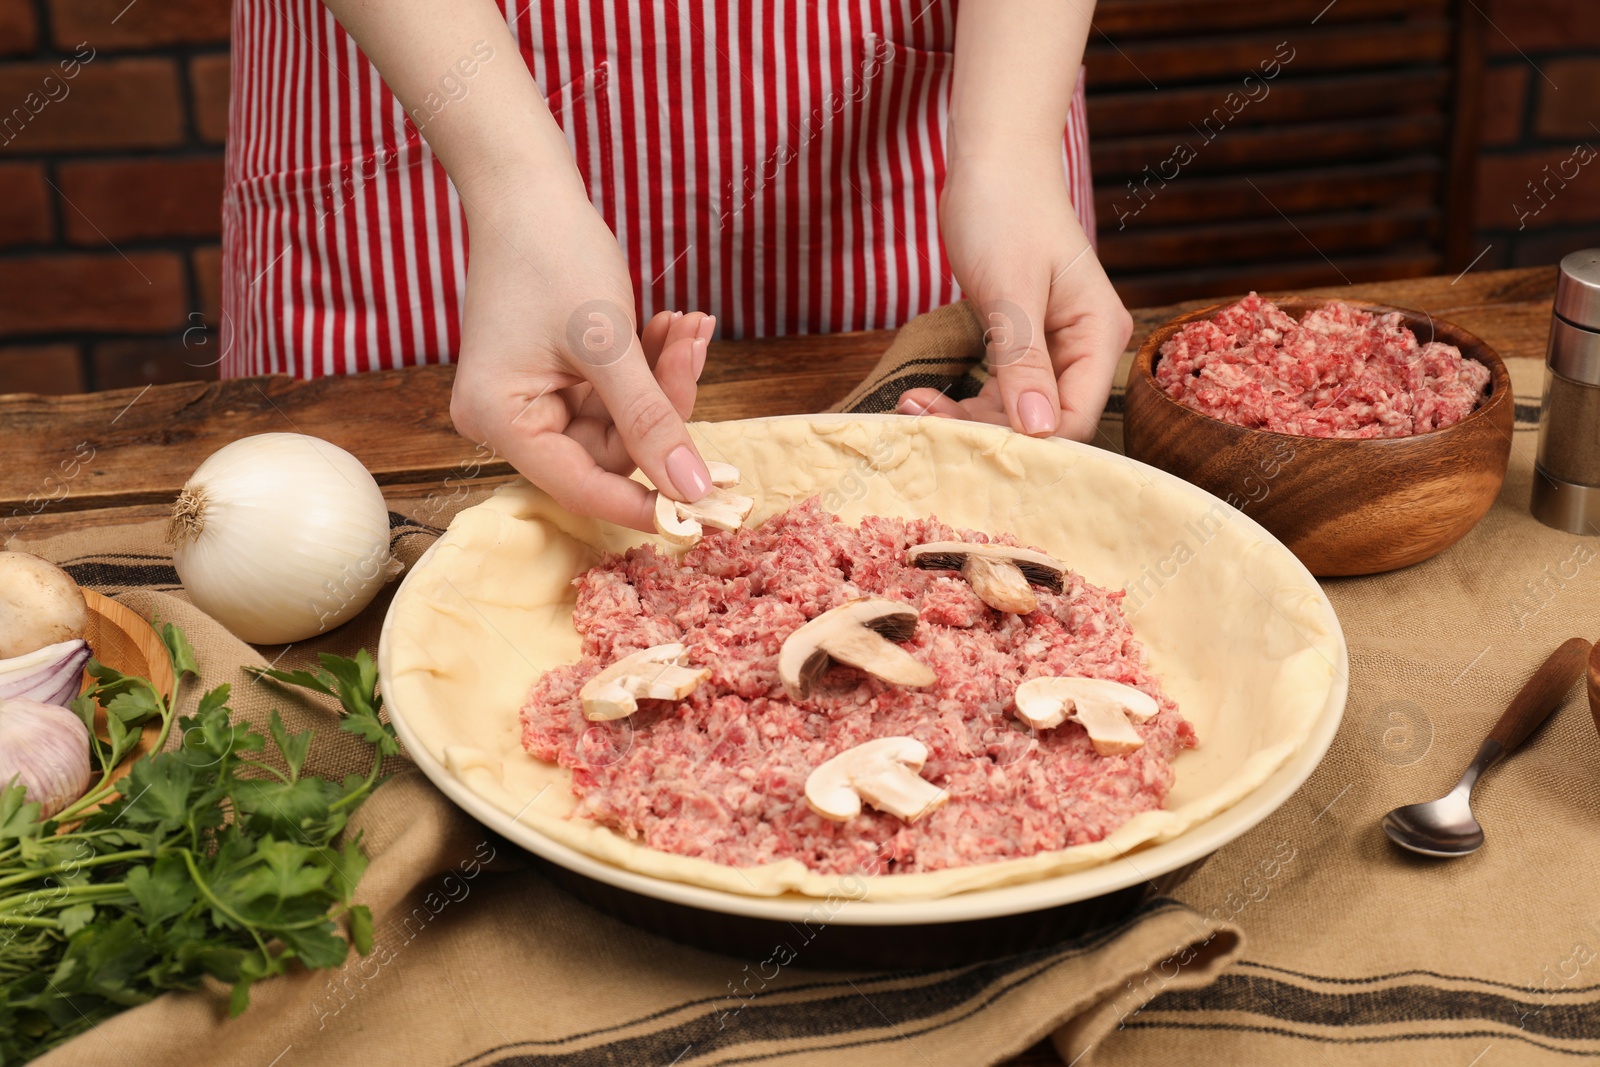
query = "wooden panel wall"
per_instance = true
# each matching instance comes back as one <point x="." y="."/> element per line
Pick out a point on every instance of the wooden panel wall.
<point x="1243" y="144"/>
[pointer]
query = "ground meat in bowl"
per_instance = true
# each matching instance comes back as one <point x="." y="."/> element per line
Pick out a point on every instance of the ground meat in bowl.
<point x="1338" y="372"/>
<point x="722" y="774"/>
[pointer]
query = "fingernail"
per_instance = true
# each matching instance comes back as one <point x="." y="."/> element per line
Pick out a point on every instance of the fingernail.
<point x="688" y="474"/>
<point x="907" y="406"/>
<point x="1036" y="414"/>
<point x="708" y="327"/>
<point x="676" y="315"/>
<point x="699" y="352"/>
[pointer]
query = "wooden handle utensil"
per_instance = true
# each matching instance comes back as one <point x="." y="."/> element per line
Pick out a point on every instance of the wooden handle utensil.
<point x="1542" y="693"/>
<point x="1594" y="685"/>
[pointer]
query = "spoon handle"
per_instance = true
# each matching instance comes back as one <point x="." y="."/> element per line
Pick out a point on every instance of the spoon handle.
<point x="1594" y="685"/>
<point x="1541" y="694"/>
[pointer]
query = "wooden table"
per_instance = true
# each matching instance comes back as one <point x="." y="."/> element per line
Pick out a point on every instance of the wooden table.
<point x="145" y="443"/>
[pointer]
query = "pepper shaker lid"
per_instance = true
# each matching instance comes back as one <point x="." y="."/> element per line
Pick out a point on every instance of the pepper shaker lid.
<point x="1578" y="289"/>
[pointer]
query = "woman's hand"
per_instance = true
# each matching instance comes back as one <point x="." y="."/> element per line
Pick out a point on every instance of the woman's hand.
<point x="1053" y="326"/>
<point x="553" y="375"/>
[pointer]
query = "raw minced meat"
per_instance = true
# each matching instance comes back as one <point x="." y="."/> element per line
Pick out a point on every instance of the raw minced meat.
<point x="1338" y="372"/>
<point x="721" y="775"/>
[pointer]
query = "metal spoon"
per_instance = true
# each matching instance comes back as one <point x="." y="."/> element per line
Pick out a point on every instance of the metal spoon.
<point x="1445" y="827"/>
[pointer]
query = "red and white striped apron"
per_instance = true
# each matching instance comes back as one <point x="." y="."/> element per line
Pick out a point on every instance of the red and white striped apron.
<point x="775" y="164"/>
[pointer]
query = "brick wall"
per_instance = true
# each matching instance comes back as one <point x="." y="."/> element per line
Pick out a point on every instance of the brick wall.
<point x="112" y="119"/>
<point x="113" y="115"/>
<point x="1538" y="193"/>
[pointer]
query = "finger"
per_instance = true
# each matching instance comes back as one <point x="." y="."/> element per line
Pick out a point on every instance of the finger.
<point x="681" y="349"/>
<point x="675" y="371"/>
<point x="668" y="340"/>
<point x="985" y="407"/>
<point x="1088" y="354"/>
<point x="691" y="325"/>
<point x="535" y="442"/>
<point x="653" y="337"/>
<point x="680" y="346"/>
<point x="707" y="329"/>
<point x="685" y="326"/>
<point x="928" y="402"/>
<point x="594" y="430"/>
<point x="1013" y="320"/>
<point x="1085" y="385"/>
<point x="651" y="426"/>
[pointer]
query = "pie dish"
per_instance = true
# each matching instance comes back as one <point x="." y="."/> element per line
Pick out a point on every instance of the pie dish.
<point x="1237" y="629"/>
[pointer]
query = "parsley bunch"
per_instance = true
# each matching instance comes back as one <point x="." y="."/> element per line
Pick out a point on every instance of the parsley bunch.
<point x="204" y="860"/>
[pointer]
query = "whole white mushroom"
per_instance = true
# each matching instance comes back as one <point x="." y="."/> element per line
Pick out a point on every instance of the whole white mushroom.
<point x="40" y="605"/>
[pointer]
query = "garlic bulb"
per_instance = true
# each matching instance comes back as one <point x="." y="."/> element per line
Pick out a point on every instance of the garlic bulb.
<point x="280" y="537"/>
<point x="47" y="748"/>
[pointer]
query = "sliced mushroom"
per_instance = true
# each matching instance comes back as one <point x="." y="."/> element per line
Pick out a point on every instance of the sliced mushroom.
<point x="1103" y="708"/>
<point x="999" y="574"/>
<point x="684" y="524"/>
<point x="671" y="525"/>
<point x="723" y="475"/>
<point x="860" y="633"/>
<point x="882" y="772"/>
<point x="658" y="673"/>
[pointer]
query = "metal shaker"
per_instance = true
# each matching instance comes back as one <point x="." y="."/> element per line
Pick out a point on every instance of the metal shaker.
<point x="1566" y="476"/>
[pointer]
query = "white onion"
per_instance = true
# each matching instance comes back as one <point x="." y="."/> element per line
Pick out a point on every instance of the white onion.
<point x="281" y="537"/>
<point x="47" y="748"/>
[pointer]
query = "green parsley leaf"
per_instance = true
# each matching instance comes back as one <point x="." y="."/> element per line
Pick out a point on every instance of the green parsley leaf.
<point x="134" y="706"/>
<point x="283" y="809"/>
<point x="76" y="918"/>
<point x="162" y="890"/>
<point x="348" y="870"/>
<point x="361" y="928"/>
<point x="19" y="818"/>
<point x="304" y="679"/>
<point x="183" y="661"/>
<point x="319" y="946"/>
<point x="293" y="746"/>
<point x="158" y="792"/>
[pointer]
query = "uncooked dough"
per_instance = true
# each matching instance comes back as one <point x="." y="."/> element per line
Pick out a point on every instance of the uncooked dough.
<point x="1239" y="633"/>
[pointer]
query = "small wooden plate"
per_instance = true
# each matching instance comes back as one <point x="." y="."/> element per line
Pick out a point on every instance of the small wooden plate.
<point x="120" y="638"/>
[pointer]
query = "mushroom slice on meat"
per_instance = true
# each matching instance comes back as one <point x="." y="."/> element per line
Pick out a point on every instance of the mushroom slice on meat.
<point x="861" y="633"/>
<point x="882" y="772"/>
<point x="1107" y="710"/>
<point x="658" y="673"/>
<point x="999" y="574"/>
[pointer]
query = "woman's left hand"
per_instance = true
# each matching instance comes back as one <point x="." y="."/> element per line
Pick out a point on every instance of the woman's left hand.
<point x="1053" y="326"/>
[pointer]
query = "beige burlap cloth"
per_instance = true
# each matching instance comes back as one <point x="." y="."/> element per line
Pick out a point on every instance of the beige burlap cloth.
<point x="1308" y="940"/>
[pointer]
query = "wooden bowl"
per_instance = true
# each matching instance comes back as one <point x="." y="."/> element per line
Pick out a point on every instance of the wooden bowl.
<point x="1342" y="506"/>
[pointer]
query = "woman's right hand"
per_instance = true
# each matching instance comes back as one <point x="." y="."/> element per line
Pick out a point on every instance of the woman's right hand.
<point x="556" y="378"/>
